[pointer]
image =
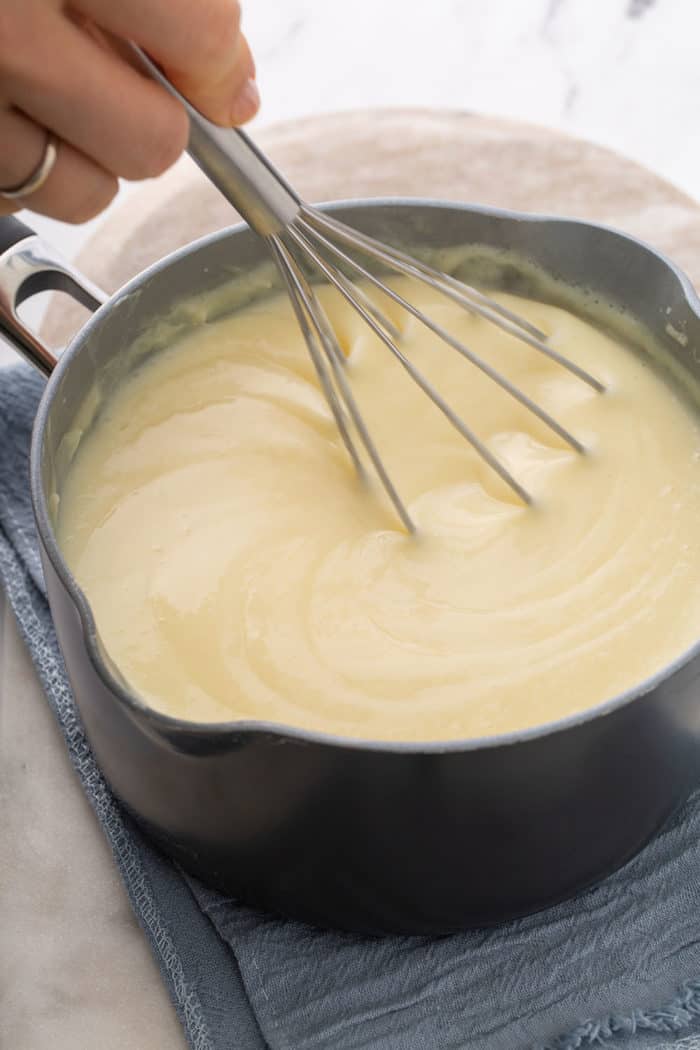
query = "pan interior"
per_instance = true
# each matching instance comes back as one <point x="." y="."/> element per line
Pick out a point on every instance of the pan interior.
<point x="495" y="269"/>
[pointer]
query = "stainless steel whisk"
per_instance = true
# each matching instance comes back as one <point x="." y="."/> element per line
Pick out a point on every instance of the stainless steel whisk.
<point x="294" y="230"/>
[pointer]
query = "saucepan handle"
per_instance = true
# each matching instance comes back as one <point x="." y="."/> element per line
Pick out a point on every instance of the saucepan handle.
<point x="29" y="266"/>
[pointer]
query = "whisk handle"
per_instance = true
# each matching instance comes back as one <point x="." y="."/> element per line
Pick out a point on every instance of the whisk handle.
<point x="234" y="165"/>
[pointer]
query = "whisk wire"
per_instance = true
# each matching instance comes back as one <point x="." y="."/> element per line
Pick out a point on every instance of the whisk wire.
<point x="414" y="267"/>
<point x="459" y="292"/>
<point x="426" y="386"/>
<point x="370" y="307"/>
<point x="305" y="320"/>
<point x="298" y="287"/>
<point x="443" y="334"/>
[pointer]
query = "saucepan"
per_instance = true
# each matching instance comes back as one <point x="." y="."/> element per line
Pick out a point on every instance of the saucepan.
<point x="359" y="834"/>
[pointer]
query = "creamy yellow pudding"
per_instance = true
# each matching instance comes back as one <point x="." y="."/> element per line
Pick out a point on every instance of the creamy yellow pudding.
<point x="237" y="569"/>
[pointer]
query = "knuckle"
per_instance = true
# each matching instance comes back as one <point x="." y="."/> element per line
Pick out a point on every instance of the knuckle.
<point x="166" y="143"/>
<point x="220" y="23"/>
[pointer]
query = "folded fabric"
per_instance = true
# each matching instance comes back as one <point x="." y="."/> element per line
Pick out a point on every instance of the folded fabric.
<point x="618" y="967"/>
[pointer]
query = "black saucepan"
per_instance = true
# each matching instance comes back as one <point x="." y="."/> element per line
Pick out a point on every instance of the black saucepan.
<point x="420" y="838"/>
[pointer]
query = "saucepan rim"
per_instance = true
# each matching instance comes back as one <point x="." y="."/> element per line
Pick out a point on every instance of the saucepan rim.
<point x="177" y="727"/>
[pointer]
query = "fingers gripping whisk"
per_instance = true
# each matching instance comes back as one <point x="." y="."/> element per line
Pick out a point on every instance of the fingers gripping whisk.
<point x="317" y="240"/>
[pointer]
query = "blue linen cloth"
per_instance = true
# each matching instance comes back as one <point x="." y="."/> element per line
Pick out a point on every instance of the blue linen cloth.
<point x="619" y="967"/>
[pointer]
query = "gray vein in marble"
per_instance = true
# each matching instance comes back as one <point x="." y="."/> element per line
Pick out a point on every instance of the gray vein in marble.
<point x="638" y="8"/>
<point x="294" y="29"/>
<point x="551" y="12"/>
<point x="550" y="37"/>
<point x="572" y="93"/>
<point x="287" y="30"/>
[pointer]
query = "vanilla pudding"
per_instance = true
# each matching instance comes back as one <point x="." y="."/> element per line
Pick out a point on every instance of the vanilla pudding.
<point x="237" y="569"/>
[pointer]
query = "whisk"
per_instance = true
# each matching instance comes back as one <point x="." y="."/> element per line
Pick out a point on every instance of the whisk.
<point x="298" y="235"/>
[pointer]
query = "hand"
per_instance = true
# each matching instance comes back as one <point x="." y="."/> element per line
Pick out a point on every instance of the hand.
<point x="64" y="69"/>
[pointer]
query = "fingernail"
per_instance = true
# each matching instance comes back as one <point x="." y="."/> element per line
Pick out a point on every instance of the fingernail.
<point x="246" y="104"/>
